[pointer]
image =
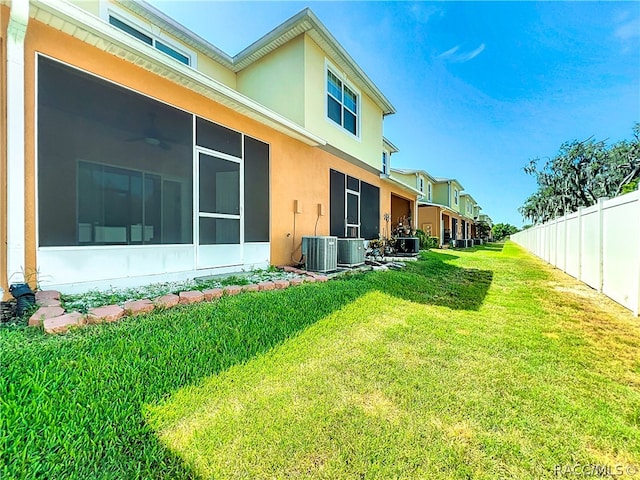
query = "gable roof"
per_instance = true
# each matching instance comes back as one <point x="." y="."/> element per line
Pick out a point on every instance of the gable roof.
<point x="303" y="22"/>
<point x="408" y="171"/>
<point x="446" y="180"/>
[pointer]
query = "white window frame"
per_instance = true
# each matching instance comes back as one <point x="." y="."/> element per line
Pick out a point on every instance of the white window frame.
<point x="421" y="184"/>
<point x="153" y="32"/>
<point x="455" y="196"/>
<point x="385" y="162"/>
<point x="328" y="67"/>
<point x="429" y="191"/>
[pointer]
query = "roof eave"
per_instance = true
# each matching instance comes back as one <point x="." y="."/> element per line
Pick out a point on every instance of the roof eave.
<point x="90" y="29"/>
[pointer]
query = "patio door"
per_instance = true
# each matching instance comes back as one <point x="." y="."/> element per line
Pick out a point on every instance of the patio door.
<point x="219" y="199"/>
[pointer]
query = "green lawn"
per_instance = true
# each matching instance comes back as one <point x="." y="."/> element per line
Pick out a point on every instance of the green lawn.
<point x="482" y="363"/>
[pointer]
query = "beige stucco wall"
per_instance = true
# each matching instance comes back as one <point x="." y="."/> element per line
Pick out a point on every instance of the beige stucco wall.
<point x="407" y="178"/>
<point x="441" y="194"/>
<point x="429" y="216"/>
<point x="91" y="6"/>
<point x="277" y="80"/>
<point x="368" y="146"/>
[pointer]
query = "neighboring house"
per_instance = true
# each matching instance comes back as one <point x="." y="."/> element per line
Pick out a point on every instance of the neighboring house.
<point x="424" y="183"/>
<point x="487" y="219"/>
<point x="403" y="199"/>
<point x="135" y="151"/>
<point x="440" y="209"/>
<point x="467" y="209"/>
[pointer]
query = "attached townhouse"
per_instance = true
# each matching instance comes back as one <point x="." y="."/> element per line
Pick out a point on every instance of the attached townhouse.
<point x="483" y="217"/>
<point x="441" y="205"/>
<point x="467" y="209"/>
<point x="132" y="150"/>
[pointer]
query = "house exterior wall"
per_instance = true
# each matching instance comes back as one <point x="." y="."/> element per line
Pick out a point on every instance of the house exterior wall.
<point x="4" y="18"/>
<point x="298" y="171"/>
<point x="429" y="216"/>
<point x="441" y="194"/>
<point x="91" y="6"/>
<point x="367" y="146"/>
<point x="407" y="178"/>
<point x="277" y="80"/>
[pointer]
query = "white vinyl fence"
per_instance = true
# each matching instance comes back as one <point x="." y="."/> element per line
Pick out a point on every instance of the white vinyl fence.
<point x="598" y="245"/>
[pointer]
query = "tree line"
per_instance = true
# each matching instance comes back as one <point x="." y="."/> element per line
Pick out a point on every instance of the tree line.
<point x="579" y="174"/>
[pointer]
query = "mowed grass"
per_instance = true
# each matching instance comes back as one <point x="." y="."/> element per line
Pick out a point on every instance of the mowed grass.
<point x="482" y="363"/>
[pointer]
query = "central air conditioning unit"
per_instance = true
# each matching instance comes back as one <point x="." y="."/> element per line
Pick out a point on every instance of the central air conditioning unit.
<point x="407" y="246"/>
<point x="320" y="253"/>
<point x="350" y="252"/>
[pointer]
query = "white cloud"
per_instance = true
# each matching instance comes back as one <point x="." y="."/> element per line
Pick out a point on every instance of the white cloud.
<point x="455" y="56"/>
<point x="449" y="52"/>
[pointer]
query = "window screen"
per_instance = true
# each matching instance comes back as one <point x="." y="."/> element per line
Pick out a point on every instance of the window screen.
<point x="114" y="167"/>
<point x="337" y="203"/>
<point x="216" y="137"/>
<point x="369" y="211"/>
<point x="256" y="190"/>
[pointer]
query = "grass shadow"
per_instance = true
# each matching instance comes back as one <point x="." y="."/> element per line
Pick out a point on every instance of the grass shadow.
<point x="495" y="247"/>
<point x="93" y="383"/>
<point x="434" y="281"/>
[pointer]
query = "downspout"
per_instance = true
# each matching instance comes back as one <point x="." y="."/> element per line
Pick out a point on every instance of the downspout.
<point x="16" y="32"/>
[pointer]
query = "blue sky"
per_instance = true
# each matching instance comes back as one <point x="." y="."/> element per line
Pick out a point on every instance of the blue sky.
<point x="479" y="87"/>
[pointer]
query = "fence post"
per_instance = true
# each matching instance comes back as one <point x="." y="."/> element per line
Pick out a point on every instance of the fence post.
<point x="580" y="243"/>
<point x="601" y="243"/>
<point x="636" y="308"/>
<point x="566" y="236"/>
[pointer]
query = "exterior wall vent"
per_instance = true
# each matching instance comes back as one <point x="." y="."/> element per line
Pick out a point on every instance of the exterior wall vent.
<point x="350" y="252"/>
<point x="320" y="253"/>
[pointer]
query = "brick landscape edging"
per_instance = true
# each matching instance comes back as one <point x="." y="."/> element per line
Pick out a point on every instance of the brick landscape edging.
<point x="54" y="319"/>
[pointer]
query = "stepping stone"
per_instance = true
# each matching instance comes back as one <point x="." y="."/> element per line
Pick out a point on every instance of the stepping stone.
<point x="251" y="288"/>
<point x="62" y="323"/>
<point x="296" y="281"/>
<point x="281" y="284"/>
<point x="321" y="278"/>
<point x="136" y="307"/>
<point x="167" y="301"/>
<point x="193" y="296"/>
<point x="44" y="313"/>
<point x="108" y="313"/>
<point x="288" y="269"/>
<point x="212" y="293"/>
<point x="310" y="279"/>
<point x="266" y="286"/>
<point x="299" y="271"/>
<point x="232" y="290"/>
<point x="50" y="294"/>
<point x="48" y="302"/>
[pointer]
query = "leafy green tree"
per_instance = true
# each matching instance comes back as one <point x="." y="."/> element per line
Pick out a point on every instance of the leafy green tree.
<point x="503" y="230"/>
<point x="581" y="173"/>
<point x="482" y="229"/>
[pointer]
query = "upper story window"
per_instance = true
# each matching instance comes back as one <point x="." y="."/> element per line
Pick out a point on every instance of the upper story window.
<point x="421" y="184"/>
<point x="385" y="163"/>
<point x="428" y="192"/>
<point x="342" y="103"/>
<point x="455" y="196"/>
<point x="149" y="39"/>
